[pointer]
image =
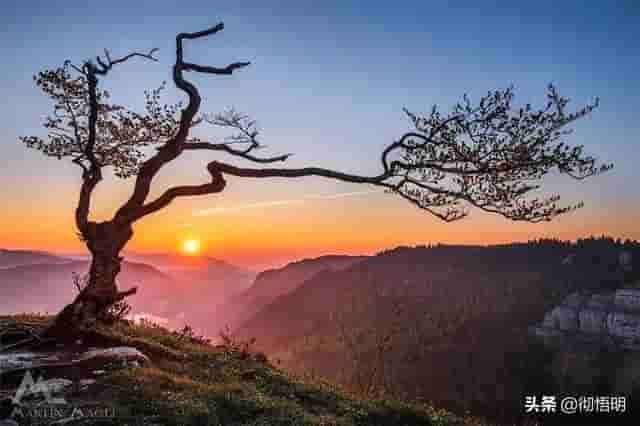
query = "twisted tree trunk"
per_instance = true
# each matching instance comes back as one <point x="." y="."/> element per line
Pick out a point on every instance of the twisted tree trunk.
<point x="105" y="241"/>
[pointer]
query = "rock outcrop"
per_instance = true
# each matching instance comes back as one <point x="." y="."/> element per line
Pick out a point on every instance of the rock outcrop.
<point x="95" y="358"/>
<point x="57" y="376"/>
<point x="611" y="319"/>
<point x="122" y="355"/>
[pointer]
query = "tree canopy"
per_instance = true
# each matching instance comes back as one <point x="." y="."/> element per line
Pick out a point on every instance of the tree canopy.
<point x="487" y="154"/>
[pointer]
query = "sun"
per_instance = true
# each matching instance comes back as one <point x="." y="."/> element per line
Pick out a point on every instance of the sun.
<point x="191" y="246"/>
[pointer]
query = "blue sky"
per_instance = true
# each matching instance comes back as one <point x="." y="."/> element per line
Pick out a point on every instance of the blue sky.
<point x="329" y="79"/>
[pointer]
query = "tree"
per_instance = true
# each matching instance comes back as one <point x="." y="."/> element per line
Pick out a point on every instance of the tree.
<point x="487" y="155"/>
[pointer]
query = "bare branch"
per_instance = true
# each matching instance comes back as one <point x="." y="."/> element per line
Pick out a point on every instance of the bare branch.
<point x="294" y="173"/>
<point x="106" y="66"/>
<point x="204" y="33"/>
<point x="246" y="133"/>
<point x="123" y="294"/>
<point x="229" y="69"/>
<point x="216" y="185"/>
<point x="238" y="153"/>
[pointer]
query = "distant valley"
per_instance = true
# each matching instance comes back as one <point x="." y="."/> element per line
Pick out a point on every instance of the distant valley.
<point x="439" y="322"/>
<point x="33" y="281"/>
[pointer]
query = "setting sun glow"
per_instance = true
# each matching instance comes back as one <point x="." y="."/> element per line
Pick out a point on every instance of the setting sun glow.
<point x="191" y="247"/>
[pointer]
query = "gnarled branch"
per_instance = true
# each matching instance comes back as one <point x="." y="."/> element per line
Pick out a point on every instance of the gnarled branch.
<point x="68" y="96"/>
<point x="105" y="66"/>
<point x="295" y="173"/>
<point x="90" y="180"/>
<point x="175" y="146"/>
<point x="238" y="153"/>
<point x="216" y="185"/>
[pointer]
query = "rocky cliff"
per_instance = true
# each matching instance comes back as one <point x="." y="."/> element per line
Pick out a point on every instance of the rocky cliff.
<point x="611" y="319"/>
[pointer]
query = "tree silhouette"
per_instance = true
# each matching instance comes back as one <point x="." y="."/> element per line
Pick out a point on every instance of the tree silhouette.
<point x="488" y="155"/>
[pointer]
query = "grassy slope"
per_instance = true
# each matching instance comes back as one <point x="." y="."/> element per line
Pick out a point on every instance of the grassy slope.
<point x="190" y="383"/>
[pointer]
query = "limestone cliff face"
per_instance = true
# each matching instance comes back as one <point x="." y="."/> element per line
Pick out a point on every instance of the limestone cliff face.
<point x="611" y="319"/>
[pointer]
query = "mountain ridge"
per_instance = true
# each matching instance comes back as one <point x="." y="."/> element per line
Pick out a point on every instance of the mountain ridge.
<point x="272" y="283"/>
<point x="18" y="257"/>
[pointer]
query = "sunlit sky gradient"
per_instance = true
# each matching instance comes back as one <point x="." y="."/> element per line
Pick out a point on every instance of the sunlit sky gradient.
<point x="328" y="82"/>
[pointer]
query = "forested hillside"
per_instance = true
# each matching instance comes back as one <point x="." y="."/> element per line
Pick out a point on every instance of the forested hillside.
<point x="442" y="323"/>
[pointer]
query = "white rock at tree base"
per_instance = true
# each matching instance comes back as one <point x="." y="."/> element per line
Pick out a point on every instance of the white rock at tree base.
<point x="27" y="360"/>
<point x="121" y="353"/>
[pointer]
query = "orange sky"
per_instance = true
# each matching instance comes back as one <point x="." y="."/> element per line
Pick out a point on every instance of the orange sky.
<point x="260" y="237"/>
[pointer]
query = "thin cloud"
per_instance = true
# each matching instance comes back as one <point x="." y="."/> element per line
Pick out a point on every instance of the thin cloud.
<point x="276" y="203"/>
